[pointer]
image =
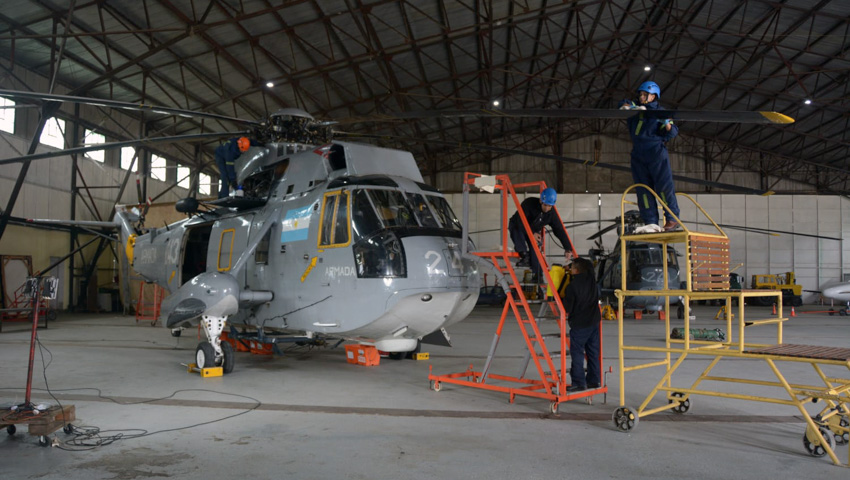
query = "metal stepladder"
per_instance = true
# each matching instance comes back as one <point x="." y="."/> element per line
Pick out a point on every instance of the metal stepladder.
<point x="551" y="368"/>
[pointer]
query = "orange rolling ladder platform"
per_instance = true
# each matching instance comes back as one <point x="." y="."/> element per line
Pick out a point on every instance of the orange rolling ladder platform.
<point x="552" y="377"/>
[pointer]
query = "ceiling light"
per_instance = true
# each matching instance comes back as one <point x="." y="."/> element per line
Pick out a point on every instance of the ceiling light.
<point x="270" y="84"/>
<point x="647" y="68"/>
<point x="496" y="103"/>
<point x="807" y="101"/>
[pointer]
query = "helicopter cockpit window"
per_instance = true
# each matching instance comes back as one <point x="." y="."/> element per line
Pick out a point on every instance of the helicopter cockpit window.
<point x="334" y="224"/>
<point x="422" y="210"/>
<point x="392" y="208"/>
<point x="365" y="220"/>
<point x="444" y="212"/>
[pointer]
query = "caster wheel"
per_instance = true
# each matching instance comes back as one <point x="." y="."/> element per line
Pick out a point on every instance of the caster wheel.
<point x="43" y="440"/>
<point x="831" y="313"/>
<point x="625" y="419"/>
<point x="205" y="355"/>
<point x="683" y="405"/>
<point x="842" y="437"/>
<point x="176" y="332"/>
<point x="812" y="444"/>
<point x="553" y="408"/>
<point x="11" y="429"/>
<point x="436" y="386"/>
<point x="69" y="429"/>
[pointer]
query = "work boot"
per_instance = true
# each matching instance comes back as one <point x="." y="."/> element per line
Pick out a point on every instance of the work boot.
<point x="671" y="225"/>
<point x="524" y="260"/>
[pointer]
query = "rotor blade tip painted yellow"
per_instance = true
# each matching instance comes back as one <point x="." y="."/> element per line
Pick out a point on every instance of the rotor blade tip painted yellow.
<point x="776" y="117"/>
<point x="768" y="193"/>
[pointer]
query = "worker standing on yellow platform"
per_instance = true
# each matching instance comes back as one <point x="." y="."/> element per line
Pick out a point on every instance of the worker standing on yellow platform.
<point x="581" y="301"/>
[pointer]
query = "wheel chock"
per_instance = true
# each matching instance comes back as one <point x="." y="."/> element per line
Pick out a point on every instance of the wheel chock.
<point x="421" y="356"/>
<point x="205" y="372"/>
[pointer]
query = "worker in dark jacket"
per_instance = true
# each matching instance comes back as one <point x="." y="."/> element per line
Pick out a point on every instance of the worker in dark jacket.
<point x="539" y="213"/>
<point x="649" y="159"/>
<point x="225" y="159"/>
<point x="581" y="301"/>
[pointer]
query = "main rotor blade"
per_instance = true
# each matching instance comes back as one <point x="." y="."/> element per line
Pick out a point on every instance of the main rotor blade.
<point x="768" y="231"/>
<point x="725" y="116"/>
<point x="125" y="105"/>
<point x="113" y="145"/>
<point x="604" y="231"/>
<point x="610" y="166"/>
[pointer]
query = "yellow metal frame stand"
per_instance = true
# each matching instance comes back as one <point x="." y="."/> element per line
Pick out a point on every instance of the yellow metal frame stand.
<point x="707" y="278"/>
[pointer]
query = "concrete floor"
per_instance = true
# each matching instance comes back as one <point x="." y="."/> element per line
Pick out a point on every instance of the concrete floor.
<point x="309" y="414"/>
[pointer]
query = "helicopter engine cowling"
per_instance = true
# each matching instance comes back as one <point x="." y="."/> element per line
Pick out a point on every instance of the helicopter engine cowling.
<point x="211" y="293"/>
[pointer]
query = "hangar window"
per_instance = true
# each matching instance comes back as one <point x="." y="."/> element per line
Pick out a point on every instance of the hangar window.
<point x="53" y="133"/>
<point x="335" y="227"/>
<point x="158" y="167"/>
<point x="127" y="154"/>
<point x="204" y="184"/>
<point x="93" y="138"/>
<point x="7" y="115"/>
<point x="184" y="177"/>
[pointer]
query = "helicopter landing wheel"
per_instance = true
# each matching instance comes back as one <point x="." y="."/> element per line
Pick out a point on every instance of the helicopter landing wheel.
<point x="625" y="419"/>
<point x="227" y="359"/>
<point x="683" y="405"/>
<point x="812" y="444"/>
<point x="205" y="355"/>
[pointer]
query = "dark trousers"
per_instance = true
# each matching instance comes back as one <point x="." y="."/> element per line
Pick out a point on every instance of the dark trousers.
<point x="522" y="244"/>
<point x="221" y="163"/>
<point x="656" y="174"/>
<point x="584" y="341"/>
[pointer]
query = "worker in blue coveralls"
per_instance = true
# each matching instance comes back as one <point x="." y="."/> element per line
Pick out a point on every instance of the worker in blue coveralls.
<point x="650" y="161"/>
<point x="225" y="159"/>
<point x="581" y="301"/>
<point x="539" y="213"/>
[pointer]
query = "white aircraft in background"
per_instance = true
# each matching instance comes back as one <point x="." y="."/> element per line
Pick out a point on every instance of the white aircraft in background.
<point x="841" y="293"/>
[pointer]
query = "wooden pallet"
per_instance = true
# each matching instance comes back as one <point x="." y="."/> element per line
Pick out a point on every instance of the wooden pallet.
<point x="44" y="423"/>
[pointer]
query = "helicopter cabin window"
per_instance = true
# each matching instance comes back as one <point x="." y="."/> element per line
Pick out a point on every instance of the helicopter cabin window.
<point x="444" y="212"/>
<point x="225" y="249"/>
<point x="392" y="208"/>
<point x="261" y="254"/>
<point x="365" y="221"/>
<point x="422" y="210"/>
<point x="335" y="231"/>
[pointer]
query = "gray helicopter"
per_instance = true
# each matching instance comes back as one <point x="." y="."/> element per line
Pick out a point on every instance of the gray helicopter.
<point x="340" y="240"/>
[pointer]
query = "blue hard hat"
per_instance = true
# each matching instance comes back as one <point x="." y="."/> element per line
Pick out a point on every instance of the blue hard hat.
<point x="650" y="87"/>
<point x="548" y="196"/>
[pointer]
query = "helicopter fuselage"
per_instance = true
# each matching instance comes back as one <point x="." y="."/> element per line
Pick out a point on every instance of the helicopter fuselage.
<point x="343" y="252"/>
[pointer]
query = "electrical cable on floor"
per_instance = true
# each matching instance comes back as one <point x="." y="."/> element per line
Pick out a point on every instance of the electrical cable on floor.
<point x="90" y="437"/>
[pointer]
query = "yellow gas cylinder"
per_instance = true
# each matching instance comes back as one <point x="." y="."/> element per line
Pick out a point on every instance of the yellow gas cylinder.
<point x="557" y="273"/>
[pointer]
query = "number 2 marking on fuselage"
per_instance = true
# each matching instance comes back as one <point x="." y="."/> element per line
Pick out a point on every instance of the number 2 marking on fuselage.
<point x="432" y="253"/>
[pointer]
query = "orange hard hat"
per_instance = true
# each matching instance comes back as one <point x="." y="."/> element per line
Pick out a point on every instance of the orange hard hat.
<point x="244" y="144"/>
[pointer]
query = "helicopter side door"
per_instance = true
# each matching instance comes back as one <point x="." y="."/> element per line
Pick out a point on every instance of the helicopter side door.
<point x="228" y="240"/>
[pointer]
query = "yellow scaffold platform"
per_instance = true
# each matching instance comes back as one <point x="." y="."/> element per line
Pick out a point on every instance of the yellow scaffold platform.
<point x="706" y="275"/>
